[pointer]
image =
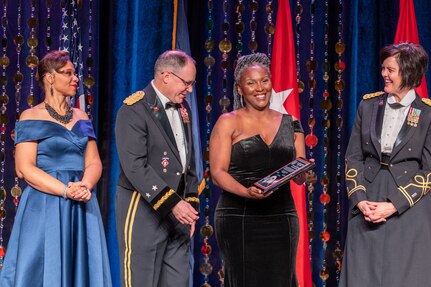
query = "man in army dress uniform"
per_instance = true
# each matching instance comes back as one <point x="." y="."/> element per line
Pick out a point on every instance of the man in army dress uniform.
<point x="157" y="190"/>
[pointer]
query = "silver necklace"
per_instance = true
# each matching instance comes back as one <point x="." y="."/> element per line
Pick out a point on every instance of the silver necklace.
<point x="64" y="119"/>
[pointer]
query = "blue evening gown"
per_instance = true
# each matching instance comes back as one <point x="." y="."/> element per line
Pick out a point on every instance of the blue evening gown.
<point x="56" y="241"/>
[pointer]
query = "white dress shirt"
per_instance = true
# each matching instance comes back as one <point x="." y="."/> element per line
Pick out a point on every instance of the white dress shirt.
<point x="175" y="120"/>
<point x="393" y="120"/>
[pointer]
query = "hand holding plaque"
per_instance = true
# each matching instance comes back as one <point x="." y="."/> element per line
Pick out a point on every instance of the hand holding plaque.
<point x="284" y="174"/>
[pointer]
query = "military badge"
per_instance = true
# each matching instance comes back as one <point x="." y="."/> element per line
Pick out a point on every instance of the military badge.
<point x="413" y="117"/>
<point x="184" y="115"/>
<point x="165" y="161"/>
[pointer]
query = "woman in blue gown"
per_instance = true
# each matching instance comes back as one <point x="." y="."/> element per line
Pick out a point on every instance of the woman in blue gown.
<point x="58" y="237"/>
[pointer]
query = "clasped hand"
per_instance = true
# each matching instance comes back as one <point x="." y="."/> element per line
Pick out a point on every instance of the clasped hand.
<point x="78" y="191"/>
<point x="376" y="212"/>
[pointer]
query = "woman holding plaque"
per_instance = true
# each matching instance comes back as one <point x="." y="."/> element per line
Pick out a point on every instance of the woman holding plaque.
<point x="388" y="177"/>
<point x="58" y="237"/>
<point x="246" y="145"/>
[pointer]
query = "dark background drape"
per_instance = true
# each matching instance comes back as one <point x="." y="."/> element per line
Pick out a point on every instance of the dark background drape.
<point x="128" y="35"/>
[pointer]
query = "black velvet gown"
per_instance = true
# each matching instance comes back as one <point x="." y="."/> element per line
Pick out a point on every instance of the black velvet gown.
<point x="258" y="238"/>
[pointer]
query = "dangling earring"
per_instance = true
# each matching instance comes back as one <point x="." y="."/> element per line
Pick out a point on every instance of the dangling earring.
<point x="51" y="90"/>
<point x="241" y="97"/>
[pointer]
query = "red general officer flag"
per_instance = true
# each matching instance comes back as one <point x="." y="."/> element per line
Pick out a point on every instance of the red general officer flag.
<point x="407" y="31"/>
<point x="285" y="99"/>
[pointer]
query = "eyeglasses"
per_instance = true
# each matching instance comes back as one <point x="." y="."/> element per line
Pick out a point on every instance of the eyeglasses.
<point x="68" y="73"/>
<point x="186" y="83"/>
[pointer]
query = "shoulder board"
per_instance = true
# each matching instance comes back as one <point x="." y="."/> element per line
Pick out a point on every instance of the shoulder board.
<point x="372" y="95"/>
<point x="426" y="101"/>
<point x="134" y="98"/>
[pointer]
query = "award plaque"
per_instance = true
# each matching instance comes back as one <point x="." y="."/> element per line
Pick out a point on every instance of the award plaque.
<point x="284" y="174"/>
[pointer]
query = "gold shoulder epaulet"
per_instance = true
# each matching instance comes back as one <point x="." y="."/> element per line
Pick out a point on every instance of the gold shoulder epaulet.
<point x="372" y="95"/>
<point x="134" y="98"/>
<point x="426" y="101"/>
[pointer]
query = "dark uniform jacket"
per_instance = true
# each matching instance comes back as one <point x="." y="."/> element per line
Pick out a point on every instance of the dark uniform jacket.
<point x="149" y="159"/>
<point x="409" y="162"/>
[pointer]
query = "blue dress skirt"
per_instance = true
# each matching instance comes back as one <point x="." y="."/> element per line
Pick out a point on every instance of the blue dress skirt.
<point x="56" y="241"/>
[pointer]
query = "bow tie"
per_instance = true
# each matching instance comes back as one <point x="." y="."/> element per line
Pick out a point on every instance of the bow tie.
<point x="172" y="105"/>
<point x="395" y="105"/>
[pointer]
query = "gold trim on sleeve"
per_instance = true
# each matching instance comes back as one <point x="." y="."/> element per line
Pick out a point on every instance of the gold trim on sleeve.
<point x="419" y="182"/>
<point x="350" y="176"/>
<point x="351" y="191"/>
<point x="192" y="199"/>
<point x="163" y="199"/>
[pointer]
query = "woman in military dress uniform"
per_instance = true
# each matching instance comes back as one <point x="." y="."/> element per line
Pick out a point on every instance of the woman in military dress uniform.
<point x="388" y="176"/>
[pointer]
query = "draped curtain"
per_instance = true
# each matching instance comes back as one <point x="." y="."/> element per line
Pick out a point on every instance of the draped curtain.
<point x="133" y="34"/>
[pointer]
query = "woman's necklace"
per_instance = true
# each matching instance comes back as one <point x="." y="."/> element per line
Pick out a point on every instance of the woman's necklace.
<point x="56" y="116"/>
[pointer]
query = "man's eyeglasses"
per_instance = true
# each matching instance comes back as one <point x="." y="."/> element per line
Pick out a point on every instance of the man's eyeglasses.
<point x="186" y="83"/>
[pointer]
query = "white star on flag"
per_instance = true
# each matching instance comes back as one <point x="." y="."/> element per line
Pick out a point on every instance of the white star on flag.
<point x="278" y="99"/>
<point x="147" y="195"/>
<point x="155" y="187"/>
<point x="71" y="41"/>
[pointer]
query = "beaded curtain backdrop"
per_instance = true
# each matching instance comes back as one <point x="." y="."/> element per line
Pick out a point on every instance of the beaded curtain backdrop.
<point x="337" y="44"/>
<point x="29" y="30"/>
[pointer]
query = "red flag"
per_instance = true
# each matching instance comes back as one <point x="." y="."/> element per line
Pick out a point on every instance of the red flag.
<point x="285" y="99"/>
<point x="407" y="31"/>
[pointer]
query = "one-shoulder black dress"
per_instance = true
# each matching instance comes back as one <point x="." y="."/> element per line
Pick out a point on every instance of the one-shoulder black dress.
<point x="258" y="238"/>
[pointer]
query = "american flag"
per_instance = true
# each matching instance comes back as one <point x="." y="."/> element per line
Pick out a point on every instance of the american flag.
<point x="70" y="41"/>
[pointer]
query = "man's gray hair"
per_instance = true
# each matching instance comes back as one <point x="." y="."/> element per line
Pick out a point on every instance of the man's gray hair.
<point x="173" y="59"/>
